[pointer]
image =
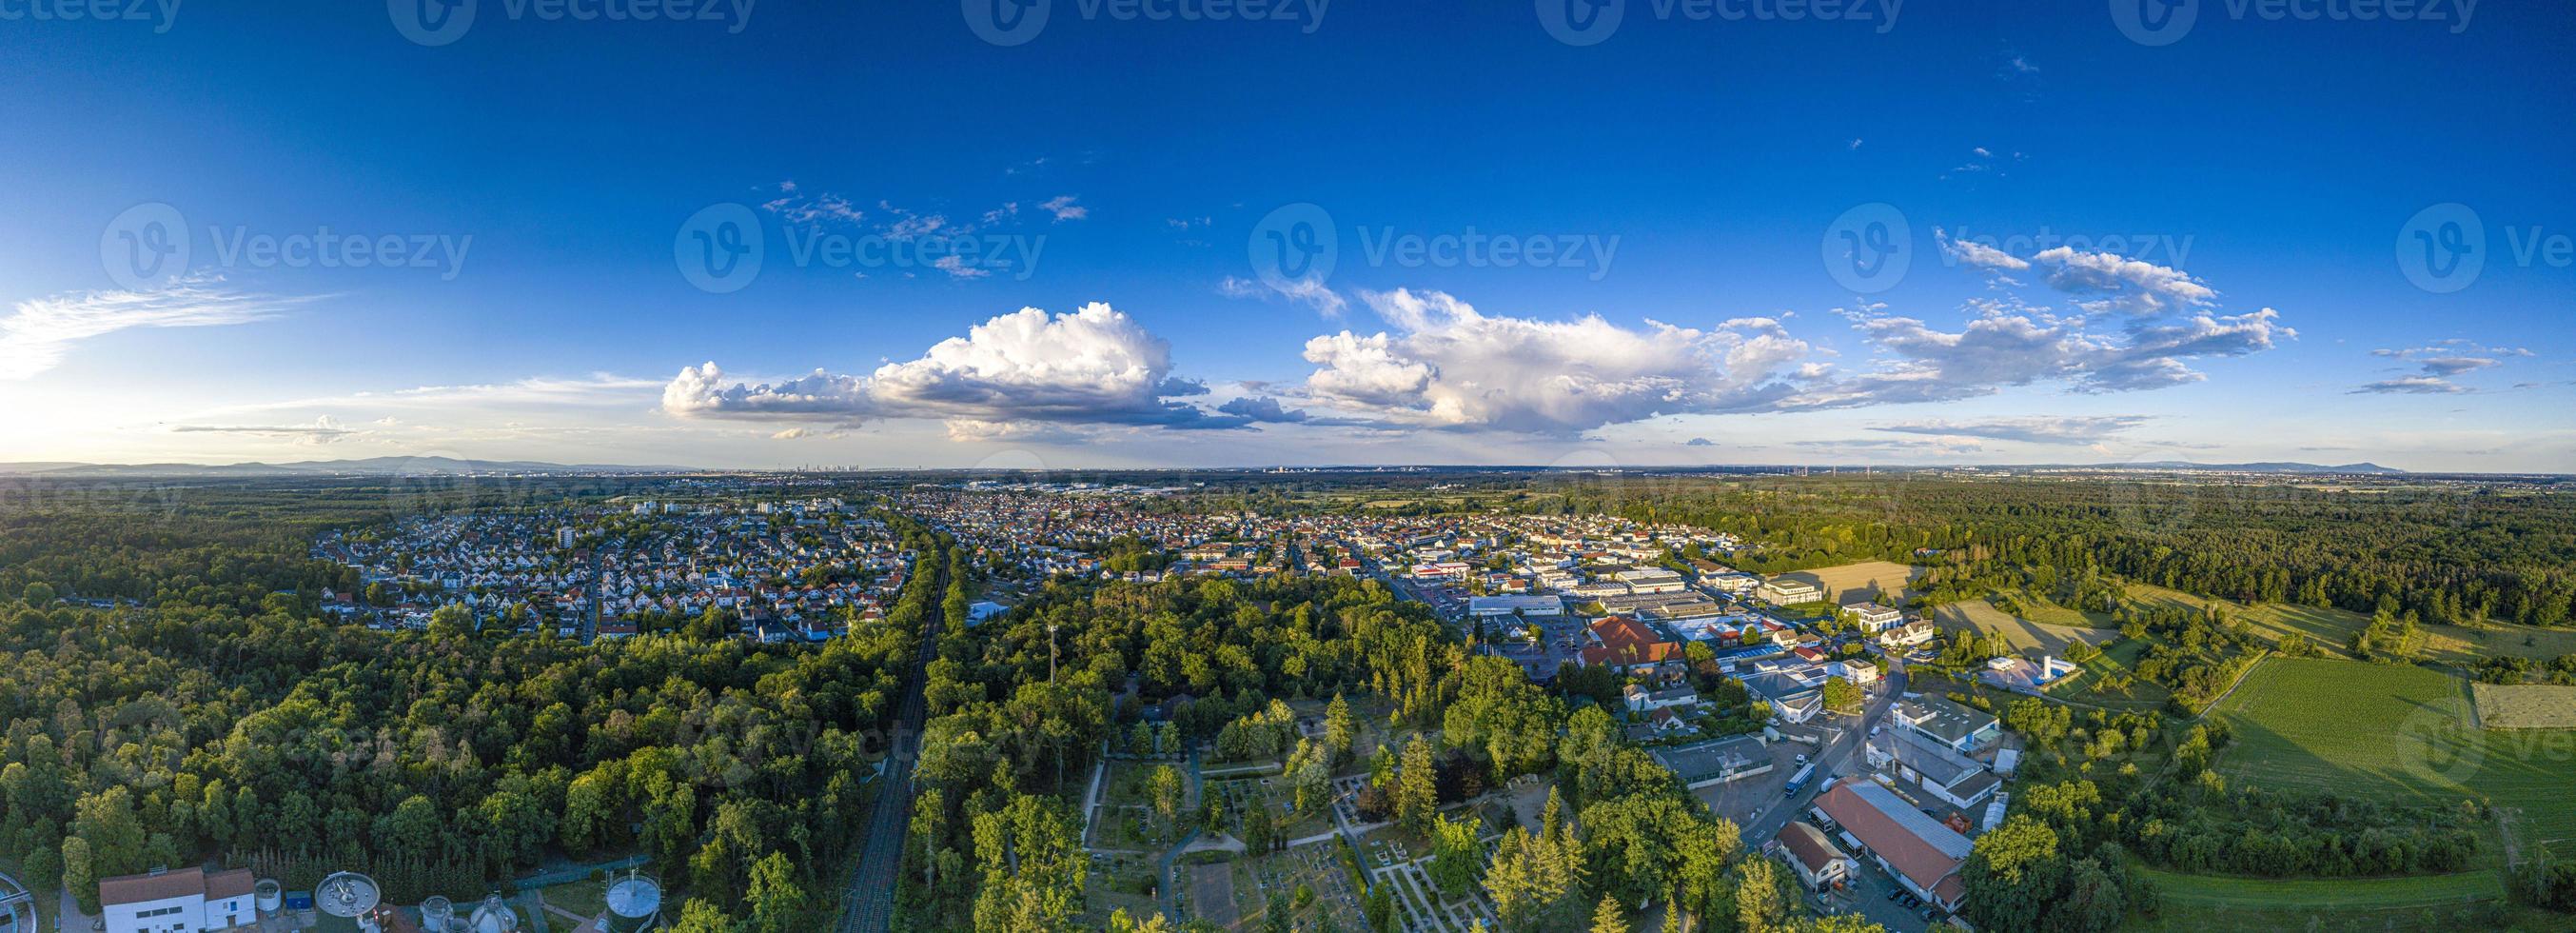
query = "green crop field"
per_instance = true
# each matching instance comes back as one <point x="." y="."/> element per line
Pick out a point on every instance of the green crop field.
<point x="2398" y="733"/>
<point x="2206" y="902"/>
<point x="2332" y="629"/>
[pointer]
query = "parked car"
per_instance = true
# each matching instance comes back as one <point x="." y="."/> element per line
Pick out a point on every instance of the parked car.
<point x="1802" y="758"/>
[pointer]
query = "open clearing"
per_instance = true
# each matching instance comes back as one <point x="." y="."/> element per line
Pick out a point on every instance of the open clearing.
<point x="1212" y="893"/>
<point x="1859" y="583"/>
<point x="2396" y="733"/>
<point x="2205" y="902"/>
<point x="2023" y="633"/>
<point x="2525" y="706"/>
<point x="2332" y="629"/>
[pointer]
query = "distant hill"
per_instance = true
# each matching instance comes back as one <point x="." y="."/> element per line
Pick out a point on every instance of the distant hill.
<point x="2254" y="467"/>
<point x="373" y="466"/>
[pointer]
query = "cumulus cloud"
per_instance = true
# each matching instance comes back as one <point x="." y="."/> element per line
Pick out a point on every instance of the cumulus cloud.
<point x="2131" y="285"/>
<point x="1309" y="291"/>
<point x="1445" y="364"/>
<point x="1699" y="442"/>
<point x="2410" y="385"/>
<point x="2436" y="364"/>
<point x="1064" y="208"/>
<point x="323" y="430"/>
<point x="2007" y="345"/>
<point x="1978" y="254"/>
<point x="1094" y="366"/>
<point x="38" y="333"/>
<point x="1261" y="408"/>
<point x="2034" y="430"/>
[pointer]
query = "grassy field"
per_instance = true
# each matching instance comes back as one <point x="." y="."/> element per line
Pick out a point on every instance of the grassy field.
<point x="2023" y="633"/>
<point x="2430" y="902"/>
<point x="2332" y="629"/>
<point x="2401" y="734"/>
<point x="1859" y="583"/>
<point x="2525" y="706"/>
<point x="2107" y="680"/>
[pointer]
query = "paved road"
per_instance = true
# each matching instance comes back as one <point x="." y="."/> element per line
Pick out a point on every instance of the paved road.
<point x="868" y="905"/>
<point x="1841" y="758"/>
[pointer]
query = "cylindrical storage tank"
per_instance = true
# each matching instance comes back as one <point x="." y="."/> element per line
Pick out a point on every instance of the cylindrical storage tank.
<point x="494" y="916"/>
<point x="347" y="894"/>
<point x="437" y="914"/>
<point x="634" y="903"/>
<point x="268" y="895"/>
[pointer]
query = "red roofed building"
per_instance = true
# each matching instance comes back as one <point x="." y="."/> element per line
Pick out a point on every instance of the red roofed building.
<point x="1923" y="854"/>
<point x="1627" y="645"/>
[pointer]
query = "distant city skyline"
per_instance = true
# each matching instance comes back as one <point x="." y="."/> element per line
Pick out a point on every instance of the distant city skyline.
<point x="1080" y="236"/>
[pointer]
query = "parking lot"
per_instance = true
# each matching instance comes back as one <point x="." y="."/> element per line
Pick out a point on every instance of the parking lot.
<point x="1741" y="800"/>
<point x="1560" y="639"/>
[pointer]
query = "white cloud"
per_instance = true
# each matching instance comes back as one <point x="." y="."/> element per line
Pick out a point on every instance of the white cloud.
<point x="2130" y="285"/>
<point x="1309" y="291"/>
<point x="2007" y="345"/>
<point x="323" y="430"/>
<point x="1447" y="365"/>
<point x="1094" y="366"/>
<point x="2032" y="430"/>
<point x="1064" y="209"/>
<point x="1978" y="254"/>
<point x="38" y="333"/>
<point x="2437" y="364"/>
<point x="2411" y="385"/>
<point x="701" y="391"/>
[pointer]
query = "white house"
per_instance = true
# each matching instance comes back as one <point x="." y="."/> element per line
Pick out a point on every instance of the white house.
<point x="1782" y="591"/>
<point x="186" y="901"/>
<point x="1641" y="700"/>
<point x="1874" y="618"/>
<point x="1548" y="606"/>
<point x="1860" y="673"/>
<point x="1907" y="635"/>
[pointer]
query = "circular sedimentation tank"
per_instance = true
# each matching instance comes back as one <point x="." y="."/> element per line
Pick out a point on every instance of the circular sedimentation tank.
<point x="634" y="903"/>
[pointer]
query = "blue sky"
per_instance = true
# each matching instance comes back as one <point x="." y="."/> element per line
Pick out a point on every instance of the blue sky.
<point x="1695" y="175"/>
